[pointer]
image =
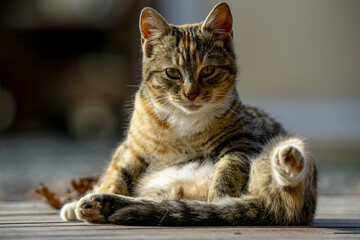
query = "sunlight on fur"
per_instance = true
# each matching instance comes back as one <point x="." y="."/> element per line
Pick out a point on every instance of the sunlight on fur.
<point x="194" y="154"/>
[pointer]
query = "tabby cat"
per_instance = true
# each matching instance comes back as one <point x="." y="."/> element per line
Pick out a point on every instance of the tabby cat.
<point x="194" y="154"/>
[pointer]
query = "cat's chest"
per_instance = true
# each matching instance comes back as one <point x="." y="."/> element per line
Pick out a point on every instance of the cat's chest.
<point x="184" y="127"/>
<point x="164" y="147"/>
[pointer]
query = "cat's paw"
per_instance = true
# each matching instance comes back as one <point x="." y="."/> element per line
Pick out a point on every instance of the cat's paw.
<point x="67" y="212"/>
<point x="93" y="208"/>
<point x="288" y="165"/>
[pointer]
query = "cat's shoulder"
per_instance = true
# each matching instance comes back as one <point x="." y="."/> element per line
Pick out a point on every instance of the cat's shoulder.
<point x="253" y="111"/>
<point x="260" y="119"/>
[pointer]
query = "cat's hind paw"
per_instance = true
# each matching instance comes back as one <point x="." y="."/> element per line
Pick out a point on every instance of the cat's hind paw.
<point x="100" y="207"/>
<point x="67" y="212"/>
<point x="288" y="165"/>
<point x="93" y="208"/>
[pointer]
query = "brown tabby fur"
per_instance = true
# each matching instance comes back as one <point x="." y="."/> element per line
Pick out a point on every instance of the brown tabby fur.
<point x="194" y="154"/>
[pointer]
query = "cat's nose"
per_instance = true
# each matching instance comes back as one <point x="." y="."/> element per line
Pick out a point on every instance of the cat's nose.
<point x="192" y="96"/>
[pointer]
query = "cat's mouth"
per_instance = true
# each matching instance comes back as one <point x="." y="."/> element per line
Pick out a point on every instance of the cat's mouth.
<point x="191" y="107"/>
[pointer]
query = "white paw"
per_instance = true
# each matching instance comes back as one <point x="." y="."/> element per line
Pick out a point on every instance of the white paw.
<point x="288" y="165"/>
<point x="67" y="212"/>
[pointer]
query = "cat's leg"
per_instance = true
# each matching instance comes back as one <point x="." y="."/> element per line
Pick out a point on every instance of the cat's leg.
<point x="288" y="164"/>
<point x="120" y="177"/>
<point x="281" y="191"/>
<point x="123" y="171"/>
<point x="103" y="208"/>
<point x="283" y="176"/>
<point x="118" y="209"/>
<point x="230" y="176"/>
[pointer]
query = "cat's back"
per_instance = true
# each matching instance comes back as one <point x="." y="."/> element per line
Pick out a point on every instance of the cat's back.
<point x="260" y="122"/>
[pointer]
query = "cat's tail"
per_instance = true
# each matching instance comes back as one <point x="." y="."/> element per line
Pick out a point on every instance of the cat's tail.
<point x="229" y="211"/>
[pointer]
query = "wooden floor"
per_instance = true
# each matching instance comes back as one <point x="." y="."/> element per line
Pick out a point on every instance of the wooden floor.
<point x="338" y="217"/>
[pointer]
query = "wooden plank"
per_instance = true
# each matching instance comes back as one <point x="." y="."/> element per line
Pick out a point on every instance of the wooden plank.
<point x="29" y="218"/>
<point x="317" y="223"/>
<point x="96" y="231"/>
<point x="338" y="217"/>
<point x="23" y="204"/>
<point x="339" y="206"/>
<point x="25" y="208"/>
<point x="335" y="223"/>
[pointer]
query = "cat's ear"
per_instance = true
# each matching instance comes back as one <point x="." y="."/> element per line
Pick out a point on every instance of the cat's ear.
<point x="152" y="27"/>
<point x="219" y="20"/>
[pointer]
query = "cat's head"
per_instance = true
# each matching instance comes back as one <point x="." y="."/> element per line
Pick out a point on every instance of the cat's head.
<point x="189" y="67"/>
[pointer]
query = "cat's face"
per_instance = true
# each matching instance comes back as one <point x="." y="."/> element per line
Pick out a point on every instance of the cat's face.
<point x="191" y="67"/>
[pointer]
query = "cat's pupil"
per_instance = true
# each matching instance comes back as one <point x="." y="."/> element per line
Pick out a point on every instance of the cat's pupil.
<point x="207" y="71"/>
<point x="173" y="73"/>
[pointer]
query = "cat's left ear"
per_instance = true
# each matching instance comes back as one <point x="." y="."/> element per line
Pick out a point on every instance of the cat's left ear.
<point x="152" y="28"/>
<point x="219" y="20"/>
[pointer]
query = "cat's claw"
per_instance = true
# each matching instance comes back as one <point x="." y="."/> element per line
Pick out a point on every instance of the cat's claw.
<point x="288" y="165"/>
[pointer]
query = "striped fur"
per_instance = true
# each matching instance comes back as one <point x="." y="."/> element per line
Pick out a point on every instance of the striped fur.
<point x="194" y="154"/>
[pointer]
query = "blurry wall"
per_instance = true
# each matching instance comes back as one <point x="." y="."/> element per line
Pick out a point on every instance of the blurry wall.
<point x="68" y="65"/>
<point x="73" y="65"/>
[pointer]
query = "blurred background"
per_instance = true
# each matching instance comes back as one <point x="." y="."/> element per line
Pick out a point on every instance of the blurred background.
<point x="69" y="69"/>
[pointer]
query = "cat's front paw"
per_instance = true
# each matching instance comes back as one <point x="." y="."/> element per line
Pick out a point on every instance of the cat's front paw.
<point x="93" y="208"/>
<point x="288" y="165"/>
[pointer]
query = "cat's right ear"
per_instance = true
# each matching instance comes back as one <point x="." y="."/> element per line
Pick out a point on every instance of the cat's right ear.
<point x="152" y="28"/>
<point x="219" y="21"/>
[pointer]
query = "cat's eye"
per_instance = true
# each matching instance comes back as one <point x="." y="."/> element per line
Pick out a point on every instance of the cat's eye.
<point x="173" y="73"/>
<point x="207" y="71"/>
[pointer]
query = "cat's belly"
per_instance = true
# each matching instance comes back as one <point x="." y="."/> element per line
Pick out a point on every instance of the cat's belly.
<point x="189" y="181"/>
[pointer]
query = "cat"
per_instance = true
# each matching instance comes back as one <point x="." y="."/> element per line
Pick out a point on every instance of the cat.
<point x="194" y="154"/>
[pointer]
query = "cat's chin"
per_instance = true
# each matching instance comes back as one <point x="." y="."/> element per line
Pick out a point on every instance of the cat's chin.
<point x="191" y="108"/>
